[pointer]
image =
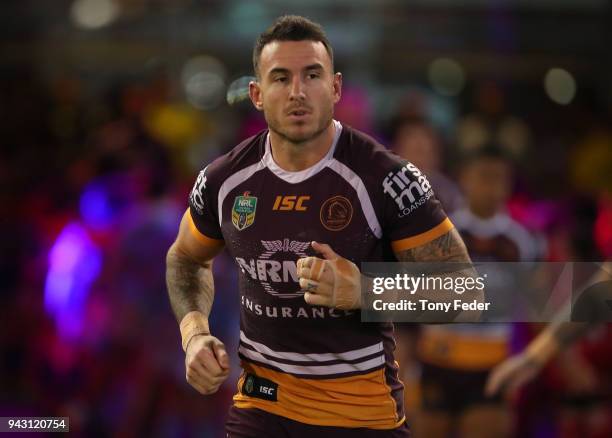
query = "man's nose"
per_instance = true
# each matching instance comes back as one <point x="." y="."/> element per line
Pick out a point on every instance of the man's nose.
<point x="297" y="89"/>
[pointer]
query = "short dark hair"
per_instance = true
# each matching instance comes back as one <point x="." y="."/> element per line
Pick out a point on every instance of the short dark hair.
<point x="291" y="28"/>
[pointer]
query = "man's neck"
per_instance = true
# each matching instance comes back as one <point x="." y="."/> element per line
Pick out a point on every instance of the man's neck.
<point x="294" y="157"/>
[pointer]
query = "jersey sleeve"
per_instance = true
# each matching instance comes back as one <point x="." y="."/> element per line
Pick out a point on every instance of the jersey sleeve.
<point x="203" y="208"/>
<point x="412" y="216"/>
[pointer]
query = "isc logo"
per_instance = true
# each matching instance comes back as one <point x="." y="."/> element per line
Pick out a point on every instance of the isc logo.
<point x="288" y="203"/>
<point x="266" y="390"/>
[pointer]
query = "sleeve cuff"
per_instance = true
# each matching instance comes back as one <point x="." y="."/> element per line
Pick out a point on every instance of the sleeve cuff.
<point x="202" y="238"/>
<point x="421" y="239"/>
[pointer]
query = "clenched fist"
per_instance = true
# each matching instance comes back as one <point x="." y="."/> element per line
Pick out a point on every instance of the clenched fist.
<point x="332" y="281"/>
<point x="206" y="363"/>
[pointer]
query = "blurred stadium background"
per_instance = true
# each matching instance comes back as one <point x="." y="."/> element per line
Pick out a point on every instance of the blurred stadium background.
<point x="108" y="109"/>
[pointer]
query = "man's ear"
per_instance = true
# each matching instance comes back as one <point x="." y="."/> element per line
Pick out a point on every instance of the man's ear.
<point x="255" y="95"/>
<point x="337" y="84"/>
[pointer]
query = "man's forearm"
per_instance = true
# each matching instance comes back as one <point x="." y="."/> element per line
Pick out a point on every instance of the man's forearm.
<point x="446" y="248"/>
<point x="190" y="284"/>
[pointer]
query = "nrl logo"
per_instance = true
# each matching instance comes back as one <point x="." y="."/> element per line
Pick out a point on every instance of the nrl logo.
<point x="243" y="211"/>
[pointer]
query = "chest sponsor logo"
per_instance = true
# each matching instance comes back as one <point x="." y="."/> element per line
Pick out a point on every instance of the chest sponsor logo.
<point x="408" y="191"/>
<point x="243" y="211"/>
<point x="292" y="312"/>
<point x="290" y="203"/>
<point x="275" y="267"/>
<point x="336" y="213"/>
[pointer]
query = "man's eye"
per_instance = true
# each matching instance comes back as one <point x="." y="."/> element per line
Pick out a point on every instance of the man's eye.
<point x="280" y="79"/>
<point x="313" y="75"/>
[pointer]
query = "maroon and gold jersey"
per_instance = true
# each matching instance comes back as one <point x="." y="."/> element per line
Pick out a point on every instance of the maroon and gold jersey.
<point x="314" y="364"/>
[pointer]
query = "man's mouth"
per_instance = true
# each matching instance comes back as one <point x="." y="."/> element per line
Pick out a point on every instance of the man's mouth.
<point x="298" y="112"/>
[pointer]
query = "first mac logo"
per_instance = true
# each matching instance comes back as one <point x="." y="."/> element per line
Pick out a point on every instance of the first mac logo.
<point x="243" y="211"/>
<point x="407" y="184"/>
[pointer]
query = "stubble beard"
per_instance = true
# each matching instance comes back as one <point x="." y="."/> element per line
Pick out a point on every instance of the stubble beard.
<point x="298" y="140"/>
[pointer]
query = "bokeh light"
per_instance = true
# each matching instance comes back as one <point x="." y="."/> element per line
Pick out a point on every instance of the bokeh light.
<point x="238" y="90"/>
<point x="94" y="14"/>
<point x="74" y="263"/>
<point x="446" y="76"/>
<point x="203" y="79"/>
<point x="560" y="86"/>
<point x="95" y="206"/>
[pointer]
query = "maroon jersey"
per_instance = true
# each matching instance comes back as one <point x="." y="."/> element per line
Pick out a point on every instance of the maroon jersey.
<point x="309" y="363"/>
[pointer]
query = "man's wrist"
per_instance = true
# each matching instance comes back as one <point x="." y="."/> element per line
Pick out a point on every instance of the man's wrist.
<point x="188" y="343"/>
<point x="347" y="284"/>
<point x="193" y="324"/>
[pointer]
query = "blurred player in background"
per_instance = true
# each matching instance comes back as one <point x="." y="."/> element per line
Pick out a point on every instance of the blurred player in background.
<point x="586" y="408"/>
<point x="308" y="185"/>
<point x="415" y="140"/>
<point x="456" y="359"/>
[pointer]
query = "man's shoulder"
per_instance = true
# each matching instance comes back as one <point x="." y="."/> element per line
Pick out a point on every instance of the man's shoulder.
<point x="245" y="154"/>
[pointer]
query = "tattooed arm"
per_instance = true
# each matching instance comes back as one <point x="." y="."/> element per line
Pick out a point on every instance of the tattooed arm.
<point x="189" y="273"/>
<point x="190" y="285"/>
<point x="447" y="248"/>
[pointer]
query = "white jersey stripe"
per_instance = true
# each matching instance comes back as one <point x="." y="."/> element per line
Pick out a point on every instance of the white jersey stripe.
<point x="364" y="198"/>
<point x="310" y="357"/>
<point x="302" y="175"/>
<point x="318" y="370"/>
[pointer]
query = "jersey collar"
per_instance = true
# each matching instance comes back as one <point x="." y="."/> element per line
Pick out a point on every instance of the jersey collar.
<point x="302" y="175"/>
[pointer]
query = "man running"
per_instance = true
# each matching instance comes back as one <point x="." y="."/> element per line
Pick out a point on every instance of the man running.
<point x="299" y="207"/>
